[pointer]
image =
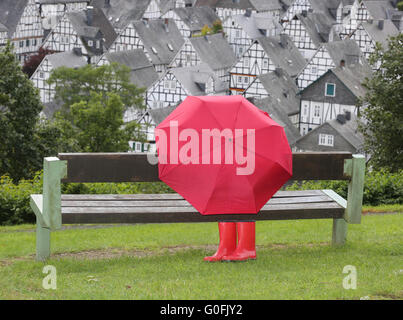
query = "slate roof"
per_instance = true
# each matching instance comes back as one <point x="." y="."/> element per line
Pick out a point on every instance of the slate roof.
<point x="252" y="25"/>
<point x="277" y="113"/>
<point x="79" y="22"/>
<point x="327" y="7"/>
<point x="381" y="35"/>
<point x="142" y="72"/>
<point x="318" y="26"/>
<point x="215" y="51"/>
<point x="230" y="4"/>
<point x="352" y="76"/>
<point x="282" y="88"/>
<point x="190" y="76"/>
<point x="154" y="34"/>
<point x="60" y="1"/>
<point x="378" y="8"/>
<point x="196" y="18"/>
<point x="264" y="5"/>
<point x="283" y="53"/>
<point x="347" y="50"/>
<point x="3" y="28"/>
<point x="10" y="13"/>
<point x="66" y="59"/>
<point x="159" y="114"/>
<point x="121" y="12"/>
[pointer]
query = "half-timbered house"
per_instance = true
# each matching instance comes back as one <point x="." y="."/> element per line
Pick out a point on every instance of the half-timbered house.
<point x="309" y="30"/>
<point x="22" y="21"/>
<point x="191" y="20"/>
<point x="330" y="55"/>
<point x="335" y="92"/>
<point x="178" y="83"/>
<point x="279" y="86"/>
<point x="212" y="50"/>
<point x="371" y="32"/>
<point x="160" y="40"/>
<point x="265" y="55"/>
<point x="3" y="34"/>
<point x="242" y="30"/>
<point x="69" y="59"/>
<point x="88" y="30"/>
<point x="339" y="134"/>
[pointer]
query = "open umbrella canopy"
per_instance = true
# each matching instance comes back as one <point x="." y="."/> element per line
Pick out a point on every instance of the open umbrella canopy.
<point x="222" y="154"/>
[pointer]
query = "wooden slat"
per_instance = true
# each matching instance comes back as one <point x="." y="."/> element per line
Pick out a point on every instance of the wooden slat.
<point x="134" y="167"/>
<point x="179" y="203"/>
<point x="327" y="210"/>
<point x="170" y="196"/>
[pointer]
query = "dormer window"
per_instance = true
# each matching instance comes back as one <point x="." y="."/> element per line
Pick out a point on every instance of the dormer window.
<point x="154" y="50"/>
<point x="90" y="43"/>
<point x="170" y="47"/>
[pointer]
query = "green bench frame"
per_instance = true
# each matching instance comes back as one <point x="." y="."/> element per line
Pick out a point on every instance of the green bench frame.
<point x="134" y="167"/>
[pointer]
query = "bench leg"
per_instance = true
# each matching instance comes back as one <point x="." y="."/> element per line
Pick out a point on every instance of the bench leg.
<point x="42" y="242"/>
<point x="339" y="235"/>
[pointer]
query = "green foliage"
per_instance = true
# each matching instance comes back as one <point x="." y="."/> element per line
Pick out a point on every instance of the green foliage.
<point x="96" y="125"/>
<point x="383" y="107"/>
<point x="73" y="85"/>
<point x="20" y="153"/>
<point x="205" y="30"/>
<point x="217" y="26"/>
<point x="400" y="6"/>
<point x="381" y="187"/>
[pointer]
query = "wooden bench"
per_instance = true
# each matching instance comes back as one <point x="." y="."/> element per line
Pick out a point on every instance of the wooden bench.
<point x="53" y="209"/>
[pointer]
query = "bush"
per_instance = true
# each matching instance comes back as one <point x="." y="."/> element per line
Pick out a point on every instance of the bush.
<point x="381" y="187"/>
<point x="14" y="198"/>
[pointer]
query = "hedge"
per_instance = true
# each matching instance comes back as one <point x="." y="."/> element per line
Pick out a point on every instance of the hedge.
<point x="381" y="187"/>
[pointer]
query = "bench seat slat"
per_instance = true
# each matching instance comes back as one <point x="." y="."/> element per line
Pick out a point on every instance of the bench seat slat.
<point x="326" y="210"/>
<point x="171" y="196"/>
<point x="178" y="203"/>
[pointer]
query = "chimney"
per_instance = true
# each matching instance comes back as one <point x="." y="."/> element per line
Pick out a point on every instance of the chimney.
<point x="342" y="63"/>
<point x="370" y="21"/>
<point x="90" y="15"/>
<point x="347" y="115"/>
<point x="279" y="72"/>
<point x="304" y="13"/>
<point x="341" y="118"/>
<point x="166" y="25"/>
<point x="380" y="24"/>
<point x="283" y="40"/>
<point x="77" y="51"/>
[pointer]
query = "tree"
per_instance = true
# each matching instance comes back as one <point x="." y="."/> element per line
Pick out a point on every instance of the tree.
<point x="217" y="26"/>
<point x="205" y="30"/>
<point x="34" y="61"/>
<point x="73" y="85"/>
<point x="97" y="124"/>
<point x="383" y="107"/>
<point x="19" y="111"/>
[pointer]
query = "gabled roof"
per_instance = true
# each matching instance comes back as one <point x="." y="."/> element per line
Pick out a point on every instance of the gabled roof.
<point x="327" y="7"/>
<point x="318" y="26"/>
<point x="99" y="22"/>
<point x="378" y="8"/>
<point x="256" y="22"/>
<point x="352" y="77"/>
<point x="159" y="114"/>
<point x="121" y="12"/>
<point x="214" y="50"/>
<point x="162" y="41"/>
<point x="190" y="77"/>
<point x="196" y="17"/>
<point x="277" y="113"/>
<point x="282" y="88"/>
<point x="3" y="28"/>
<point x="66" y="59"/>
<point x="283" y="53"/>
<point x="381" y="35"/>
<point x="264" y="5"/>
<point x="347" y="50"/>
<point x="10" y="13"/>
<point x="142" y="72"/>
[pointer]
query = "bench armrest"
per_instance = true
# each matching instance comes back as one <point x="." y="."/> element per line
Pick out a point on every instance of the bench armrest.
<point x="53" y="171"/>
<point x="355" y="169"/>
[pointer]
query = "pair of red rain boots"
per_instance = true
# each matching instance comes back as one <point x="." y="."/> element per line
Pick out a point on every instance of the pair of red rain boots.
<point x="229" y="248"/>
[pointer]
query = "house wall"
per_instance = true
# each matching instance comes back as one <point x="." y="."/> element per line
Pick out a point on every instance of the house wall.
<point x="237" y="37"/>
<point x="182" y="27"/>
<point x="301" y="38"/>
<point x="41" y="74"/>
<point x="310" y="142"/>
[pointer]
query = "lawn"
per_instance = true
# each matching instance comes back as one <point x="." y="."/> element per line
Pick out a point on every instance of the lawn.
<point x="165" y="261"/>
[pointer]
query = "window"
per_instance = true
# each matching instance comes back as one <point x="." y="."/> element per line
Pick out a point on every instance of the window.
<point x="246" y="80"/>
<point x="21" y="44"/>
<point x="27" y="43"/>
<point x="238" y="33"/>
<point x="326" y="140"/>
<point x="265" y="63"/>
<point x="41" y="75"/>
<point x="330" y="90"/>
<point x="239" y="79"/>
<point x="246" y="62"/>
<point x="90" y="43"/>
<point x="34" y="42"/>
<point x="98" y="44"/>
<point x="316" y="111"/>
<point x="305" y="110"/>
<point x="314" y="70"/>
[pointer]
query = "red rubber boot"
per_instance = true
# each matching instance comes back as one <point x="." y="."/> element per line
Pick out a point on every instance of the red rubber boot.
<point x="246" y="243"/>
<point x="227" y="231"/>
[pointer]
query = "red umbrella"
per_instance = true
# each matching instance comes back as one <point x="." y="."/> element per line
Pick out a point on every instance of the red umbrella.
<point x="223" y="154"/>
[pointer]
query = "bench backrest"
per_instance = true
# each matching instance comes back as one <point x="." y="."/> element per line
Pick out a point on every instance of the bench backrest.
<point x="135" y="167"/>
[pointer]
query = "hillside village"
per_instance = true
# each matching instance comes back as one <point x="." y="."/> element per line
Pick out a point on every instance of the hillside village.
<point x="302" y="61"/>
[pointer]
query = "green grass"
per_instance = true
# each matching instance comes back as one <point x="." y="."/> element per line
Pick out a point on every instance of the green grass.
<point x="383" y="208"/>
<point x="165" y="261"/>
